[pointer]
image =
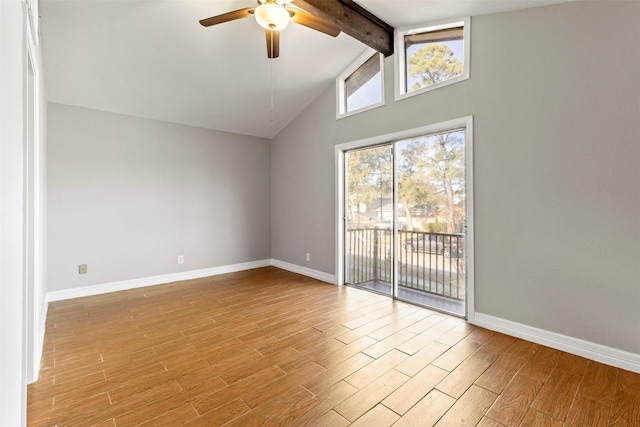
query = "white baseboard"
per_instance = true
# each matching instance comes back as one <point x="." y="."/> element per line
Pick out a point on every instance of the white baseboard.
<point x="184" y="275"/>
<point x="153" y="280"/>
<point x="600" y="353"/>
<point x="319" y="275"/>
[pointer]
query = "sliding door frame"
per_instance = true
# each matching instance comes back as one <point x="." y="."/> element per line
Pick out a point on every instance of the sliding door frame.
<point x="465" y="123"/>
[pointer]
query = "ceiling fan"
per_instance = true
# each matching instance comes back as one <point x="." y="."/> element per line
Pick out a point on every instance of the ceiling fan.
<point x="274" y="16"/>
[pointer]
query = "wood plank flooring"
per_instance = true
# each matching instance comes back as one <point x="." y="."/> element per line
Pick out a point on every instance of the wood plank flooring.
<point x="269" y="347"/>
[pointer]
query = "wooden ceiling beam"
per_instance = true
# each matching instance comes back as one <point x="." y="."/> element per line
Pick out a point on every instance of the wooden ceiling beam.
<point x="353" y="20"/>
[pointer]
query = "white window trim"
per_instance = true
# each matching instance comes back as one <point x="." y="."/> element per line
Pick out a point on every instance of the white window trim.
<point x="400" y="68"/>
<point x="341" y="108"/>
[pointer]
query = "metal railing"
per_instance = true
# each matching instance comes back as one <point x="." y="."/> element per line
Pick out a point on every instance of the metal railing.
<point x="427" y="262"/>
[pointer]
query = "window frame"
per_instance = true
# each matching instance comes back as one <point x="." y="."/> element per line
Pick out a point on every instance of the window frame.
<point x="401" y="91"/>
<point x="341" y="101"/>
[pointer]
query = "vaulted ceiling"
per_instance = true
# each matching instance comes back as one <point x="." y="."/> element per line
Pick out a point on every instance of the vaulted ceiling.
<point x="151" y="58"/>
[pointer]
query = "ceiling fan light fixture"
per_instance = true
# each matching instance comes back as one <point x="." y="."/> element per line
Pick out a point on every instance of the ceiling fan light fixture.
<point x="272" y="16"/>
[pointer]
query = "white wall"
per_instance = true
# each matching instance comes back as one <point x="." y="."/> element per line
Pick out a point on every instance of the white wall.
<point x="12" y="363"/>
<point x="555" y="95"/>
<point x="22" y="142"/>
<point x="128" y="195"/>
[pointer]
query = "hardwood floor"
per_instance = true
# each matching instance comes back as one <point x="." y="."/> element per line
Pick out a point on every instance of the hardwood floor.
<point x="269" y="347"/>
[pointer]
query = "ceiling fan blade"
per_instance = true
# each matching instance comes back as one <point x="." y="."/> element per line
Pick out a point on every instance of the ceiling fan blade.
<point x="273" y="43"/>
<point x="308" y="20"/>
<point x="229" y="16"/>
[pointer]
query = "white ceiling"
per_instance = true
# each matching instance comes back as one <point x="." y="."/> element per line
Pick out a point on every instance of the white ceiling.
<point x="151" y="58"/>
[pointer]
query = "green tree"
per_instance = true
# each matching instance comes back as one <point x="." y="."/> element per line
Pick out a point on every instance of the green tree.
<point x="413" y="183"/>
<point x="433" y="63"/>
<point x="431" y="173"/>
<point x="369" y="177"/>
<point x="446" y="168"/>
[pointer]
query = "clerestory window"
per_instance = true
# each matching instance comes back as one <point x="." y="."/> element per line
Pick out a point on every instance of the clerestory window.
<point x="360" y="87"/>
<point x="432" y="56"/>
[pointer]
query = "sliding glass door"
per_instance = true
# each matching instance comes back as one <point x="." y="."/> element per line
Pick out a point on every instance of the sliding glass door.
<point x="405" y="219"/>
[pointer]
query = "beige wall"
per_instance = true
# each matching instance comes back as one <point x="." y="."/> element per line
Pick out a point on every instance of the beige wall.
<point x="555" y="95"/>
<point x="128" y="195"/>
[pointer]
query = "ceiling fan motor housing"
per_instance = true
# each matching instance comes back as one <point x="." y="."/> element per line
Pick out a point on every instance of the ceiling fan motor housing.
<point x="272" y="15"/>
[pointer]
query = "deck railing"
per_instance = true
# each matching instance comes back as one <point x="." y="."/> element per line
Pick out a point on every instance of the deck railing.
<point x="427" y="262"/>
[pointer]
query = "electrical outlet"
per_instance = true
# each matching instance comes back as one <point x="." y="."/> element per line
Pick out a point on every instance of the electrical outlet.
<point x="180" y="259"/>
<point x="308" y="257"/>
<point x="82" y="269"/>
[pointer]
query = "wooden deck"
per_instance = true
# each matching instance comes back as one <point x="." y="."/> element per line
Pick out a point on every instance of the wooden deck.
<point x="269" y="347"/>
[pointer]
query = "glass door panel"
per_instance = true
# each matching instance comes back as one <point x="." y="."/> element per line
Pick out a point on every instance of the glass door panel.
<point x="431" y="202"/>
<point x="369" y="216"/>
